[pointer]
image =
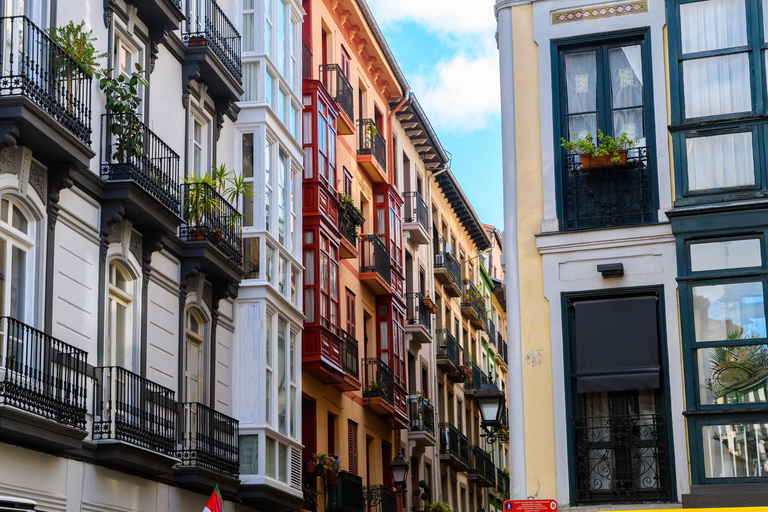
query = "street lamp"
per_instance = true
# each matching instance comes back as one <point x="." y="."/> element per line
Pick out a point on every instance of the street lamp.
<point x="490" y="401"/>
<point x="399" y="467"/>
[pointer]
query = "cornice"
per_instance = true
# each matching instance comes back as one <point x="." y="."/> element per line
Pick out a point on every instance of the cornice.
<point x="508" y="4"/>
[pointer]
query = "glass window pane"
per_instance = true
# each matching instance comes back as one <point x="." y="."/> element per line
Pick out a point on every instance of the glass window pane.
<point x="720" y="161"/>
<point x="249" y="455"/>
<point x="733" y="375"/>
<point x="251" y="254"/>
<point x="626" y="76"/>
<point x="270" y="261"/>
<point x="251" y="81"/>
<point x="18" y="283"/>
<point x="282" y="463"/>
<point x="270" y="458"/>
<point x="248" y="151"/>
<point x="735" y="450"/>
<point x="282" y="375"/>
<point x="581" y="81"/>
<point x="712" y="25"/>
<point x="247" y="31"/>
<point x="19" y="220"/>
<point x="717" y="85"/>
<point x="725" y="255"/>
<point x="582" y="124"/>
<point x="729" y="311"/>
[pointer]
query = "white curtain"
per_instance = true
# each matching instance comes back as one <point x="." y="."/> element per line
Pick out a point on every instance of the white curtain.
<point x="713" y="25"/>
<point x="627" y="92"/>
<point x="581" y="88"/>
<point x="720" y="161"/>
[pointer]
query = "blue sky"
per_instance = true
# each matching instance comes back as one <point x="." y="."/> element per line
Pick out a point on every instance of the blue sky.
<point x="447" y="50"/>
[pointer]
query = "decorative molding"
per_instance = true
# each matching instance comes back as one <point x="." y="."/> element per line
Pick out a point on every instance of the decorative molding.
<point x="24" y="156"/>
<point x="157" y="36"/>
<point x="189" y="72"/>
<point x="133" y="14"/>
<point x="38" y="180"/>
<point x="148" y="244"/>
<point x="109" y="10"/>
<point x="599" y="11"/>
<point x="125" y="234"/>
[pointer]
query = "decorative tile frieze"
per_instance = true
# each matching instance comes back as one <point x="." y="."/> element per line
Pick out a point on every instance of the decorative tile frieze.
<point x="599" y="11"/>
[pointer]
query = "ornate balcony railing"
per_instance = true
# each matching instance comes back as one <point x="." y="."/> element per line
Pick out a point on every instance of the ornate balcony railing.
<point x="422" y="414"/>
<point x="417" y="312"/>
<point x="337" y="84"/>
<point x="478" y="378"/>
<point x="482" y="464"/>
<point x="350" y="361"/>
<point x="36" y="67"/>
<point x="209" y="217"/>
<point x="347" y="494"/>
<point x="380" y="498"/>
<point x="208" y="25"/>
<point x="447" y="348"/>
<point x="622" y="458"/>
<point x="208" y="439"/>
<point x="490" y="328"/>
<point x="371" y="142"/>
<point x="133" y="152"/>
<point x="444" y="259"/>
<point x="379" y="382"/>
<point x="471" y="298"/>
<point x="505" y="418"/>
<point x="415" y="210"/>
<point x="608" y="197"/>
<point x="502" y="345"/>
<point x="375" y="257"/>
<point x="350" y="218"/>
<point x="453" y="442"/>
<point x="41" y="374"/>
<point x="502" y="483"/>
<point x="306" y="61"/>
<point x="135" y="410"/>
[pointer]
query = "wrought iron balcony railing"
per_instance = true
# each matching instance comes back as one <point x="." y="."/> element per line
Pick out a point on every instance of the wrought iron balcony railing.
<point x="133" y="152"/>
<point x="444" y="259"/>
<point x="490" y="328"/>
<point x="422" y="414"/>
<point x="379" y="382"/>
<point x="41" y="374"/>
<point x="209" y="217"/>
<point x="37" y="68"/>
<point x="208" y="439"/>
<point x="135" y="410"/>
<point x="622" y="458"/>
<point x="502" y="483"/>
<point x="472" y="298"/>
<point x="337" y="84"/>
<point x="350" y="219"/>
<point x="608" y="197"/>
<point x="208" y="25"/>
<point x="350" y="361"/>
<point x="482" y="464"/>
<point x="380" y="498"/>
<point x="371" y="142"/>
<point x="447" y="347"/>
<point x="417" y="312"/>
<point x="347" y="494"/>
<point x="415" y="210"/>
<point x="478" y="378"/>
<point x="306" y="61"/>
<point x="453" y="442"/>
<point x="375" y="258"/>
<point x="502" y="345"/>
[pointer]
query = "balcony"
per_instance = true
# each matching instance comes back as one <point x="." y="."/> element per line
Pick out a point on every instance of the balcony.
<point x="449" y="358"/>
<point x="142" y="173"/>
<point x="501" y="353"/>
<point x="306" y="61"/>
<point x="473" y="305"/>
<point x="380" y="498"/>
<point x="372" y="151"/>
<point x="454" y="448"/>
<point x="213" y="51"/>
<point x="208" y="448"/>
<point x="337" y="84"/>
<point x="504" y="426"/>
<point x="350" y="363"/>
<point x="213" y="232"/>
<point x="481" y="468"/>
<point x="609" y="197"/>
<point x="134" y="422"/>
<point x="502" y="484"/>
<point x="45" y="97"/>
<point x="490" y="329"/>
<point x="347" y="495"/>
<point x="42" y="388"/>
<point x="418" y="318"/>
<point x="378" y="387"/>
<point x="375" y="270"/>
<point x="416" y="218"/>
<point x="321" y="355"/>
<point x="473" y="384"/>
<point x="422" y="421"/>
<point x="447" y="269"/>
<point x="164" y="14"/>
<point x="350" y="220"/>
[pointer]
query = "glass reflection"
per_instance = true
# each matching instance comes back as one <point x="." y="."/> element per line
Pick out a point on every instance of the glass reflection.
<point x="729" y="311"/>
<point x="733" y="375"/>
<point x="735" y="450"/>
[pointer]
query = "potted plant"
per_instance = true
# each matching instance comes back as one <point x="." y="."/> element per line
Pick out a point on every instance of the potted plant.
<point x="379" y="387"/>
<point x="328" y="466"/>
<point x="370" y="132"/>
<point x="429" y="303"/>
<point x="310" y="496"/>
<point x="607" y="152"/>
<point x="439" y="506"/>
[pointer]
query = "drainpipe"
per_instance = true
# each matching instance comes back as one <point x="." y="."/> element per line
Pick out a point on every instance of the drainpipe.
<point x="517" y="469"/>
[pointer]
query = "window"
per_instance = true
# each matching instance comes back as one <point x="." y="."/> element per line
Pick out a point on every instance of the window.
<point x="249" y="454"/>
<point x="248" y="25"/>
<point x="292" y="62"/>
<point x="269" y="90"/>
<point x="200" y="138"/>
<point x="121" y="350"/>
<point x="248" y="154"/>
<point x="351" y="329"/>
<point x="282" y="376"/>
<point x="293" y="371"/>
<point x="251" y="257"/>
<point x="352" y="441"/>
<point x="270" y="263"/>
<point x="329" y="284"/>
<point x="268" y="17"/>
<point x="281" y="37"/>
<point x="294" y="206"/>
<point x="345" y="62"/>
<point x="347" y="183"/>
<point x="269" y="367"/>
<point x="268" y="181"/>
<point x="251" y="81"/>
<point x="195" y="356"/>
<point x="16" y="244"/>
<point x="309" y="276"/>
<point x="283" y="187"/>
<point x="126" y="56"/>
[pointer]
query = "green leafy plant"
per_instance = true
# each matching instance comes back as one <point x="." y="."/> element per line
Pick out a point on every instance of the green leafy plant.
<point x="123" y="101"/>
<point x="310" y="495"/>
<point x="78" y="45"/>
<point x="350" y="215"/>
<point x="370" y="132"/>
<point x="328" y="464"/>
<point x="200" y="203"/>
<point x="380" y="387"/>
<point x="423" y="491"/>
<point x="419" y="395"/>
<point x="439" y="506"/>
<point x="605" y="145"/>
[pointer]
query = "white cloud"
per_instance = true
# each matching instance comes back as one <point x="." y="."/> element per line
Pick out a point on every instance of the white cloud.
<point x="446" y="16"/>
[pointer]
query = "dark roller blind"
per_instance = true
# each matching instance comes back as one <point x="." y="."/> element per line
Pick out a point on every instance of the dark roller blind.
<point x="616" y="345"/>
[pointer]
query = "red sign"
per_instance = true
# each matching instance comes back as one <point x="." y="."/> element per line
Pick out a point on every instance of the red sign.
<point x="530" y="505"/>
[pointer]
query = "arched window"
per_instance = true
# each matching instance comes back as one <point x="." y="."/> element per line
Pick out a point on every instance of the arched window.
<point x="16" y="245"/>
<point x="121" y="351"/>
<point x="194" y="366"/>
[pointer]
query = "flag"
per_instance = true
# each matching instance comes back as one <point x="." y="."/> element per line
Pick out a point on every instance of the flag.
<point x="215" y="503"/>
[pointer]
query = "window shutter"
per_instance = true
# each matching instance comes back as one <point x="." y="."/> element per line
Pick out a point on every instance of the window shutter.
<point x="352" y="447"/>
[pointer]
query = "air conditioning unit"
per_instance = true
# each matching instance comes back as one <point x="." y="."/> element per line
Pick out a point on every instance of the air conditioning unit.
<point x="11" y="503"/>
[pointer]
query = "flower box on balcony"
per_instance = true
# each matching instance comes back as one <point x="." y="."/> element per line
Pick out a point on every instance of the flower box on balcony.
<point x="430" y="304"/>
<point x="588" y="161"/>
<point x="197" y="41"/>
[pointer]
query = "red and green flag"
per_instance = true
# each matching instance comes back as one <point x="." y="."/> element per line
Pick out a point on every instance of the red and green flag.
<point x="215" y="503"/>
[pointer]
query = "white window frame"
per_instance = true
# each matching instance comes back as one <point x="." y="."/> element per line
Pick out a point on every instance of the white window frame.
<point x="206" y="143"/>
<point x="199" y="338"/>
<point x="26" y="242"/>
<point x="128" y="299"/>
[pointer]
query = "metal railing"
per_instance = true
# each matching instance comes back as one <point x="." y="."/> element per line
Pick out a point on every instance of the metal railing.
<point x="380" y="498"/>
<point x="135" y="410"/>
<point x="375" y="257"/>
<point x="209" y="217"/>
<point x="32" y="65"/>
<point x="371" y="142"/>
<point x="621" y="458"/>
<point x="306" y="61"/>
<point x="209" y="26"/>
<point x="478" y="378"/>
<point x="350" y="218"/>
<point x="133" y="152"/>
<point x="379" y="382"/>
<point x="502" y="345"/>
<point x="415" y="210"/>
<point x="490" y="328"/>
<point x="608" y="197"/>
<point x="347" y="494"/>
<point x="208" y="439"/>
<point x="41" y="374"/>
<point x="482" y="464"/>
<point x="447" y="348"/>
<point x="350" y="361"/>
<point x="422" y="414"/>
<point x="444" y="259"/>
<point x="417" y="312"/>
<point x="453" y="442"/>
<point x="337" y="84"/>
<point x="502" y="483"/>
<point x="472" y="298"/>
